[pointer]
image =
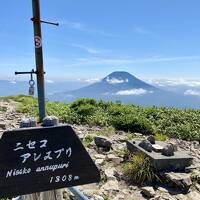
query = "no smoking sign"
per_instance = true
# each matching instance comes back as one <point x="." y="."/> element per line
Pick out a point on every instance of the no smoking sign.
<point x="38" y="42"/>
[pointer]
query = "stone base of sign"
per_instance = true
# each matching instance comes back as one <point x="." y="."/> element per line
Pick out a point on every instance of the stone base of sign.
<point x="179" y="161"/>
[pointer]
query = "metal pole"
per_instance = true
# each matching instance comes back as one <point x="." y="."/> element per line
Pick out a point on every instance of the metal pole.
<point x="39" y="58"/>
<point x="78" y="194"/>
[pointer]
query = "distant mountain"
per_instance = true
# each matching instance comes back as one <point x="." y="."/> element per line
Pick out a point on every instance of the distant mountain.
<point x="124" y="87"/>
<point x="8" y="88"/>
<point x="112" y="84"/>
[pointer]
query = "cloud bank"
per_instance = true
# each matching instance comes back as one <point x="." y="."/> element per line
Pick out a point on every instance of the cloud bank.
<point x="116" y="81"/>
<point x="192" y="93"/>
<point x="135" y="92"/>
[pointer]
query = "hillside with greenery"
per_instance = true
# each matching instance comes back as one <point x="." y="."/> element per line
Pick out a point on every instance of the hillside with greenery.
<point x="178" y="123"/>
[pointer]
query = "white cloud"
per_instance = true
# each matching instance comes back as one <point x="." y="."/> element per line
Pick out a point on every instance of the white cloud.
<point x="114" y="61"/>
<point x="88" y="80"/>
<point x="86" y="48"/>
<point x="135" y="92"/>
<point x="192" y="93"/>
<point x="49" y="81"/>
<point x="13" y="82"/>
<point x="92" y="80"/>
<point x="116" y="81"/>
<point x="175" y="82"/>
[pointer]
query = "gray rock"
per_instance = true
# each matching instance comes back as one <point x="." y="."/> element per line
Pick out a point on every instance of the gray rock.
<point x="175" y="146"/>
<point x="193" y="195"/>
<point x="111" y="185"/>
<point x="146" y="145"/>
<point x="168" y="150"/>
<point x="3" y="126"/>
<point x="115" y="159"/>
<point x="99" y="161"/>
<point x="148" y="191"/>
<point x="164" y="196"/>
<point x="157" y="148"/>
<point x="100" y="156"/>
<point x="28" y="122"/>
<point x="119" y="197"/>
<point x="110" y="173"/>
<point x="50" y="121"/>
<point x="197" y="187"/>
<point x="97" y="197"/>
<point x="66" y="195"/>
<point x="151" y="139"/>
<point x="196" y="144"/>
<point x="102" y="142"/>
<point x="182" y="180"/>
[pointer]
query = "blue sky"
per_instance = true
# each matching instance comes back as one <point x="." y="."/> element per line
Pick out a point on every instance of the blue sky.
<point x="148" y="38"/>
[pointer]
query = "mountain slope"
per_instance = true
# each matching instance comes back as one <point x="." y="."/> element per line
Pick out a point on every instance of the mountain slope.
<point x="124" y="87"/>
<point x="112" y="84"/>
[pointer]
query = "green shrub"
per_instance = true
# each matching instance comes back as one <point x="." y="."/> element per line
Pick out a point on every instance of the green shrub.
<point x="88" y="140"/>
<point x="98" y="118"/>
<point x="118" y="109"/>
<point x="178" y="123"/>
<point x="161" y="137"/>
<point x="76" y="104"/>
<point x="84" y="112"/>
<point x="133" y="124"/>
<point x="140" y="170"/>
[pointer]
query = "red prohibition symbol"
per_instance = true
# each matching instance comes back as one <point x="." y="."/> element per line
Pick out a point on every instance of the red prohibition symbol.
<point x="38" y="42"/>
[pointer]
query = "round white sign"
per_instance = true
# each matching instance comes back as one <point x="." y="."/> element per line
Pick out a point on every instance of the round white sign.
<point x="38" y="42"/>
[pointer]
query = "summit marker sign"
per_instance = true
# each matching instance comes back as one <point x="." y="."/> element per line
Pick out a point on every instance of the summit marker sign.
<point x="40" y="159"/>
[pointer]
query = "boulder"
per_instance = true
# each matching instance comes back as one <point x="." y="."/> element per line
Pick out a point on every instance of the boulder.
<point x="151" y="139"/>
<point x="28" y="122"/>
<point x="113" y="158"/>
<point x="175" y="146"/>
<point x="168" y="150"/>
<point x="181" y="180"/>
<point x="146" y="145"/>
<point x="103" y="142"/>
<point x="3" y="126"/>
<point x="110" y="173"/>
<point x="148" y="191"/>
<point x="50" y="121"/>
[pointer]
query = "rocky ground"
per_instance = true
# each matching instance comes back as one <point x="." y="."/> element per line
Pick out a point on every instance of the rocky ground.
<point x="113" y="184"/>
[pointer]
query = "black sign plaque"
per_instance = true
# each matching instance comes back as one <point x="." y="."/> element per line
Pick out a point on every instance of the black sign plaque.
<point x="41" y="159"/>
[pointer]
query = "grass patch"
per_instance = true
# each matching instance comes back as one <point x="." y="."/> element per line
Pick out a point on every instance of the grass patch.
<point x="139" y="170"/>
<point x="88" y="140"/>
<point x="123" y="153"/>
<point x="161" y="137"/>
<point x="106" y="131"/>
<point x="105" y="197"/>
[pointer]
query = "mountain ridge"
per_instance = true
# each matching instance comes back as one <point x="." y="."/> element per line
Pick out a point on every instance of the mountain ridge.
<point x="123" y="86"/>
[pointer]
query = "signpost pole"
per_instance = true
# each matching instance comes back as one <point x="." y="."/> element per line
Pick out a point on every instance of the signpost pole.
<point x="39" y="58"/>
